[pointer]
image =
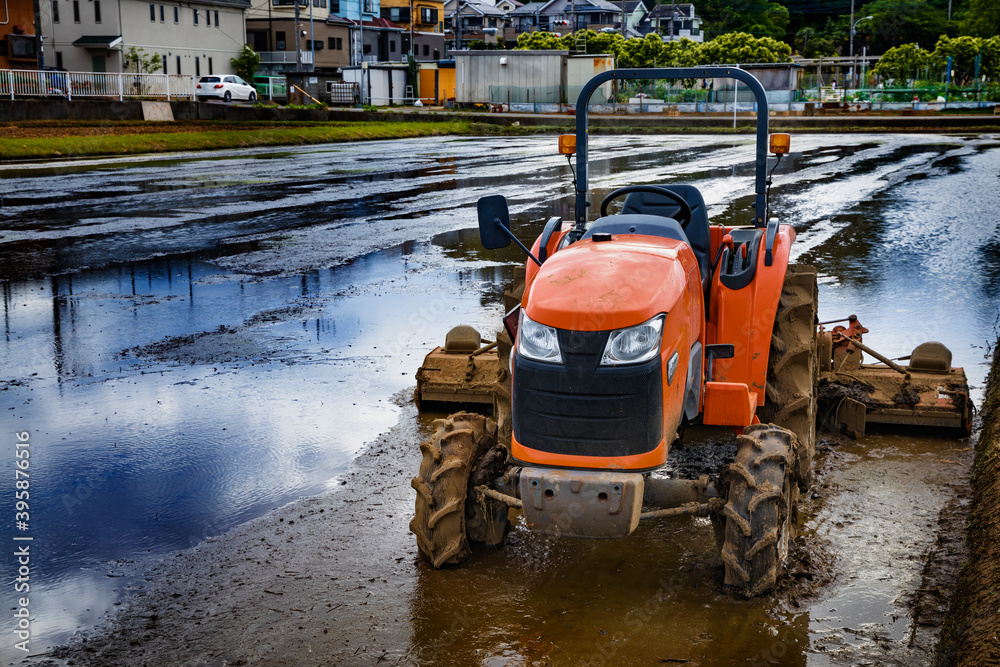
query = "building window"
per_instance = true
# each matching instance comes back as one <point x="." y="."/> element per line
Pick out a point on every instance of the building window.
<point x="279" y="41"/>
<point x="319" y="3"/>
<point x="427" y="50"/>
<point x="314" y="45"/>
<point x="152" y="11"/>
<point x="59" y="60"/>
<point x="55" y="11"/>
<point x="97" y="11"/>
<point x="428" y="15"/>
<point x="208" y="18"/>
<point x="165" y="65"/>
<point x="437" y="55"/>
<point x="335" y="6"/>
<point x="331" y="42"/>
<point x="209" y="65"/>
<point x="368" y="48"/>
<point x="197" y="66"/>
<point x="216" y="18"/>
<point x="177" y="15"/>
<point x="396" y="14"/>
<point x="163" y="17"/>
<point x="76" y="11"/>
<point x="392" y="46"/>
<point x="178" y="64"/>
<point x="369" y="6"/>
<point x="195" y="11"/>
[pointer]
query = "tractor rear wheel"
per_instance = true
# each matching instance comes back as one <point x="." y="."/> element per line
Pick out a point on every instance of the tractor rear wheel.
<point x="792" y="368"/>
<point x="759" y="514"/>
<point x="462" y="454"/>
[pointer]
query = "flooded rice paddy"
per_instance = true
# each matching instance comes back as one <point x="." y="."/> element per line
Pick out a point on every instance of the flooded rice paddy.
<point x="197" y="340"/>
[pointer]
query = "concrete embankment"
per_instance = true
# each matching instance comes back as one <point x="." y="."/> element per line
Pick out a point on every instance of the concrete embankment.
<point x="87" y="110"/>
<point x="971" y="636"/>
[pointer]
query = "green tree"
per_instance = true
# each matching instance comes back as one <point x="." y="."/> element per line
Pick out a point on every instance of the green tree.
<point x="962" y="51"/>
<point x="981" y="18"/>
<point x="812" y="43"/>
<point x="246" y="64"/>
<point x="543" y="41"/>
<point x="989" y="65"/>
<point x="138" y="61"/>
<point x="903" y="63"/>
<point x="604" y="42"/>
<point x="756" y="17"/>
<point x="738" y="47"/>
<point x="897" y="22"/>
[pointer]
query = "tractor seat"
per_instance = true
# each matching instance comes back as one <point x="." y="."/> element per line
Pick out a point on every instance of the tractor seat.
<point x="697" y="234"/>
<point x="637" y="223"/>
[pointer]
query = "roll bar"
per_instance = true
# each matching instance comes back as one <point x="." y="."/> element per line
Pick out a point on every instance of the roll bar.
<point x="760" y="178"/>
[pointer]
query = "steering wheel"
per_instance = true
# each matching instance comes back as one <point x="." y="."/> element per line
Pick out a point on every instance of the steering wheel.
<point x="683" y="215"/>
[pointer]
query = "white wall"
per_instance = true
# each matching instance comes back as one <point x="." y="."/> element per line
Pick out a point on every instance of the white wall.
<point x="477" y="71"/>
<point x="581" y="69"/>
<point x="131" y="20"/>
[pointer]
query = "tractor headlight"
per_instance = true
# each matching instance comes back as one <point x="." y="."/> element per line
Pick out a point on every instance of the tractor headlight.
<point x="538" y="342"/>
<point x="634" y="345"/>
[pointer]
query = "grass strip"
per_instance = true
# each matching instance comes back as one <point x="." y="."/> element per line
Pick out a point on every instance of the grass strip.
<point x="35" y="148"/>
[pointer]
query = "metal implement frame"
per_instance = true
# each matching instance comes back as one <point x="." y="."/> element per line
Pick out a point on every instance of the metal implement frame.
<point x="760" y="177"/>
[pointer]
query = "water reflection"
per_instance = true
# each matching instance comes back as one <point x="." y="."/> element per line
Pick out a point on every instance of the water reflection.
<point x="170" y="403"/>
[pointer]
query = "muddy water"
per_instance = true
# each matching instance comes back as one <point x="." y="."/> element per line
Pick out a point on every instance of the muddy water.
<point x="194" y="341"/>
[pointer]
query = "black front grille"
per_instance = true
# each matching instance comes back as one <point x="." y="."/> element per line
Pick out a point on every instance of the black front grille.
<point x="581" y="408"/>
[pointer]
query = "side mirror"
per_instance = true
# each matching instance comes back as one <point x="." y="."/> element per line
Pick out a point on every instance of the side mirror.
<point x="494" y="225"/>
<point x="494" y="221"/>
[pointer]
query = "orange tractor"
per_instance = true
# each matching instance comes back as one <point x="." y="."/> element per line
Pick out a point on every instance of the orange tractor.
<point x="625" y="329"/>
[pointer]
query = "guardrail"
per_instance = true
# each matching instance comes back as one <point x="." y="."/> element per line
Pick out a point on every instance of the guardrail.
<point x="103" y="85"/>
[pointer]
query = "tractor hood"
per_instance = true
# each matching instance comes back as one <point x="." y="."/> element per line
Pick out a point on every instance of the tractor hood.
<point x="599" y="286"/>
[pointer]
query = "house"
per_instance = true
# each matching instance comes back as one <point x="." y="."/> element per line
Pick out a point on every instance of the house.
<point x="507" y="6"/>
<point x="475" y="21"/>
<point x="197" y="37"/>
<point x="635" y="12"/>
<point x="18" y="36"/>
<point x="331" y="34"/>
<point x="323" y="38"/>
<point x="676" y="21"/>
<point x="426" y="25"/>
<point x="527" y="18"/>
<point x="565" y="16"/>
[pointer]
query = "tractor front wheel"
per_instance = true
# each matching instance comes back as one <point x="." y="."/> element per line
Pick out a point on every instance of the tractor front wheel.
<point x="462" y="454"/>
<point x="757" y="523"/>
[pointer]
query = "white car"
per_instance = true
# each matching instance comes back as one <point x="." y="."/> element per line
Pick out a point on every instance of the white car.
<point x="226" y="87"/>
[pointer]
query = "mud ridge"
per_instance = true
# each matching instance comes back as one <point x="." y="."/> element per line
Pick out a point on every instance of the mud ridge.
<point x="971" y="634"/>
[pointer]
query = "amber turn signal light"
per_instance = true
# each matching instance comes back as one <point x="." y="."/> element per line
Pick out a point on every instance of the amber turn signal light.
<point x="567" y="144"/>
<point x="780" y="143"/>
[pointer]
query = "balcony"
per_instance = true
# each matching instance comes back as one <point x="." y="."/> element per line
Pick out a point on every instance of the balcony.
<point x="284" y="57"/>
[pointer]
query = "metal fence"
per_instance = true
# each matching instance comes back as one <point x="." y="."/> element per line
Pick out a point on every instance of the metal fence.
<point x="106" y="85"/>
<point x="529" y="95"/>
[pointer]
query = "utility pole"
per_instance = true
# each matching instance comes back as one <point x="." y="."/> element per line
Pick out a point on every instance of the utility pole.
<point x="312" y="38"/>
<point x="412" y="50"/>
<point x="39" y="48"/>
<point x="298" y="39"/>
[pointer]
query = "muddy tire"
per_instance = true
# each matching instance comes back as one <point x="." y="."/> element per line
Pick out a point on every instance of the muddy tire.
<point x="444" y="504"/>
<point x="792" y="368"/>
<point x="758" y="516"/>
